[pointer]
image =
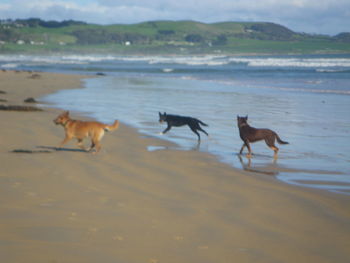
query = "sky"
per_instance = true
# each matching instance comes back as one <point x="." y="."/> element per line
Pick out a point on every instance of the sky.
<point x="310" y="16"/>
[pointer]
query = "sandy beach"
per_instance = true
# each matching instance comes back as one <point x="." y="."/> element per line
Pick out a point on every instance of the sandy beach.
<point x="127" y="204"/>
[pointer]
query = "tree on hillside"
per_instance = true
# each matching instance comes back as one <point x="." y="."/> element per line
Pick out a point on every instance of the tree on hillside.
<point x="220" y="40"/>
<point x="194" y="38"/>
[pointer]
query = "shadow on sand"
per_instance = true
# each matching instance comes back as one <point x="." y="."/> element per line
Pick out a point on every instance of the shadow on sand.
<point x="47" y="149"/>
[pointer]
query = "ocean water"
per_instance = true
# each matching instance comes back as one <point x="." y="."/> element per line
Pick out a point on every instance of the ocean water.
<point x="305" y="99"/>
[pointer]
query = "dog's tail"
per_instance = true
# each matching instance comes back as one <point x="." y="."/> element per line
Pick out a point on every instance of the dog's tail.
<point x="112" y="127"/>
<point x="202" y="123"/>
<point x="280" y="141"/>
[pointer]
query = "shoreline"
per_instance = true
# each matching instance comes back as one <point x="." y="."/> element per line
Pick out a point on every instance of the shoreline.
<point x="128" y="204"/>
<point x="295" y="163"/>
<point x="166" y="53"/>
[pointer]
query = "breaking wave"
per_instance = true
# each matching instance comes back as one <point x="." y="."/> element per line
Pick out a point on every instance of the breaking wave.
<point x="321" y="64"/>
<point x="212" y="60"/>
<point x="294" y="62"/>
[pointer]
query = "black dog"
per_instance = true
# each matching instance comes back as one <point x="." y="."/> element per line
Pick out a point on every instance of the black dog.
<point x="177" y="121"/>
<point x="249" y="135"/>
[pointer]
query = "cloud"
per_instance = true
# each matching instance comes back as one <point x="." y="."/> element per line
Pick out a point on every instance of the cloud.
<point x="315" y="16"/>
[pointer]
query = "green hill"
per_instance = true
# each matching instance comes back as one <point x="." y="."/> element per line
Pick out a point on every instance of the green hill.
<point x="165" y="37"/>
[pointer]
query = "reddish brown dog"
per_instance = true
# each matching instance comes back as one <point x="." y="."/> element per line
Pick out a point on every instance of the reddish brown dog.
<point x="250" y="134"/>
<point x="81" y="129"/>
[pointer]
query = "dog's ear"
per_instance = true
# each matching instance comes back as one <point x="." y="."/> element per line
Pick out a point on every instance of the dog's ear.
<point x="164" y="113"/>
<point x="66" y="113"/>
<point x="246" y="117"/>
<point x="159" y="113"/>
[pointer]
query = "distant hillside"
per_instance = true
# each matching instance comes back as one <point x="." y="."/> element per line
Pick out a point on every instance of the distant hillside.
<point x="174" y="37"/>
<point x="344" y="37"/>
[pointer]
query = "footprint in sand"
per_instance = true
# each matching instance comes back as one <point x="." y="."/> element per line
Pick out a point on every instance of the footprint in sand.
<point x="104" y="199"/>
<point x="118" y="238"/>
<point x="93" y="230"/>
<point x="16" y="184"/>
<point x="203" y="247"/>
<point x="47" y="203"/>
<point x="121" y="204"/>
<point x="73" y="216"/>
<point x="178" y="238"/>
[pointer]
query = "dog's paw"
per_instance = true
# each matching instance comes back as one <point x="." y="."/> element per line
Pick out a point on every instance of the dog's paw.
<point x="160" y="133"/>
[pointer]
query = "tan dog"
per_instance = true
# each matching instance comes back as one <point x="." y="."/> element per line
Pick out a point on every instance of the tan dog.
<point x="81" y="129"/>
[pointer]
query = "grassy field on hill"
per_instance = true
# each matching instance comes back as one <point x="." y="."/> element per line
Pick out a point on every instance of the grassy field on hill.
<point x="163" y="37"/>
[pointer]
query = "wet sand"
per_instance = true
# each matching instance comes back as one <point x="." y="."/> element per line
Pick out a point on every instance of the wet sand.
<point x="127" y="204"/>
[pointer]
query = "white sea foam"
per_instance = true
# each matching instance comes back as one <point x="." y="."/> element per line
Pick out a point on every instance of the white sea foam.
<point x="34" y="60"/>
<point x="9" y="65"/>
<point x="88" y="58"/>
<point x="209" y="60"/>
<point x="214" y="60"/>
<point x="55" y="59"/>
<point x="331" y="70"/>
<point x="294" y="62"/>
<point x="327" y="64"/>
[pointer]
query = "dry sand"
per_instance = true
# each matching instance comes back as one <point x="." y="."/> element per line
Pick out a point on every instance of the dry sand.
<point x="130" y="205"/>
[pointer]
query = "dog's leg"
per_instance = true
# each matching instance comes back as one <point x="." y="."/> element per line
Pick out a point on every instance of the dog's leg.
<point x="270" y="141"/>
<point x="80" y="144"/>
<point x="167" y="129"/>
<point x="275" y="149"/>
<point x="65" y="140"/>
<point x="249" y="154"/>
<point x="195" y="131"/>
<point x="97" y="146"/>
<point x="241" y="151"/>
<point x="203" y="131"/>
<point x="95" y="141"/>
<point x="245" y="144"/>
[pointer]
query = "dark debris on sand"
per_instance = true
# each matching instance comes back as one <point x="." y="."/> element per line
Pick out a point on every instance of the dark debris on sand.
<point x="19" y="108"/>
<point x="30" y="100"/>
